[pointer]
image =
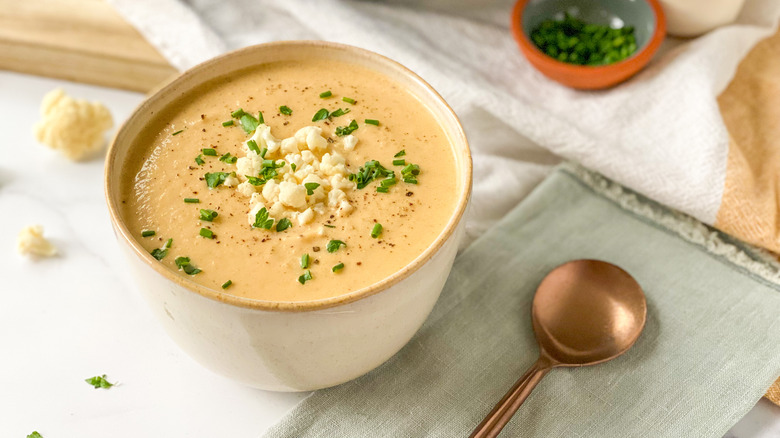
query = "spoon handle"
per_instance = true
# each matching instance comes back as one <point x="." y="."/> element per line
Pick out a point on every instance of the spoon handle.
<point x="495" y="421"/>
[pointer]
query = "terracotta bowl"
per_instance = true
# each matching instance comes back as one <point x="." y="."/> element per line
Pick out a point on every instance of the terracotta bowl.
<point x="277" y="345"/>
<point x="646" y="16"/>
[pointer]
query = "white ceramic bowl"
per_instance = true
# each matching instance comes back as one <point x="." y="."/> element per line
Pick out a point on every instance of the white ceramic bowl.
<point x="291" y="346"/>
<point x="690" y="18"/>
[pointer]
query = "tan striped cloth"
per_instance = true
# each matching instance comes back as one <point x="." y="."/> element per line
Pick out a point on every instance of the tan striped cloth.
<point x="750" y="106"/>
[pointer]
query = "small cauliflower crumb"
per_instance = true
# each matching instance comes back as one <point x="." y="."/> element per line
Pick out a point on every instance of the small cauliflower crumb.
<point x="74" y="127"/>
<point x="31" y="242"/>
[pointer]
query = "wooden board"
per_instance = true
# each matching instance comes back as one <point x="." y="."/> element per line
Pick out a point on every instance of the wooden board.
<point x="79" y="40"/>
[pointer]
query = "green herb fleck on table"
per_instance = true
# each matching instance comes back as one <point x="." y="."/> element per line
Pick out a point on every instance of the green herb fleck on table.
<point x="99" y="382"/>
<point x="184" y="264"/>
<point x="574" y="41"/>
<point x="305" y="277"/>
<point x="334" y="245"/>
<point x="208" y="215"/>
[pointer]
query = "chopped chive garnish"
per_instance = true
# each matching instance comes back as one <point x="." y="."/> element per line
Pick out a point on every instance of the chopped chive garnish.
<point x="410" y="172"/>
<point x="322" y="114"/>
<point x="160" y="253"/>
<point x="260" y="117"/>
<point x="262" y="220"/>
<point x="191" y="200"/>
<point x="376" y="231"/>
<point x="305" y="261"/>
<point x="208" y="215"/>
<point x="213" y="180"/>
<point x="382" y="189"/>
<point x="310" y="187"/>
<point x="329" y="226"/>
<point x="205" y="232"/>
<point x="372" y="122"/>
<point x="401" y="153"/>
<point x="148" y="233"/>
<point x="168" y="243"/>
<point x="338" y="267"/>
<point x="339" y="112"/>
<point x="346" y="130"/>
<point x="263" y="152"/>
<point x="334" y="245"/>
<point x="284" y="109"/>
<point x="237" y="113"/>
<point x="199" y="160"/>
<point x="370" y="171"/>
<point x="349" y="100"/>
<point x="305" y="277"/>
<point x="210" y="152"/>
<point x="387" y="182"/>
<point x="228" y="123"/>
<point x="227" y="284"/>
<point x="99" y="382"/>
<point x="325" y="94"/>
<point x="283" y="224"/>
<point x="410" y="180"/>
<point x="178" y="132"/>
<point x="252" y="145"/>
<point x="293" y="166"/>
<point x="184" y="264"/>
<point x="227" y="158"/>
<point x="399" y="162"/>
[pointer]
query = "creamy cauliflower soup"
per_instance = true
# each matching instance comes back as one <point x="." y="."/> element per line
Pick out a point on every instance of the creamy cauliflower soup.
<point x="291" y="181"/>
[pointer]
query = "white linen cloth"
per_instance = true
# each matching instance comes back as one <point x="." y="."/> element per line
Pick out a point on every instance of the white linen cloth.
<point x="660" y="133"/>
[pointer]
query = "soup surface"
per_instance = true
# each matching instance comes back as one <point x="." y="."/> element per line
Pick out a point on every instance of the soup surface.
<point x="298" y="210"/>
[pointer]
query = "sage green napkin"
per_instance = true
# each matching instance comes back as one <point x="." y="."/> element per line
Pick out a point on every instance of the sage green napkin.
<point x="710" y="349"/>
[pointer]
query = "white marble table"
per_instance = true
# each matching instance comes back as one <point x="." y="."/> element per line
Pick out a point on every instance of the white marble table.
<point x="75" y="316"/>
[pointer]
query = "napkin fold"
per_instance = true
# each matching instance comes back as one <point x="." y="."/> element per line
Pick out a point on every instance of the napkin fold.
<point x="710" y="349"/>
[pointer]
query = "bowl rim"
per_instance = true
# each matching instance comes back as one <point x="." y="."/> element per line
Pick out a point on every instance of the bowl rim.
<point x="532" y="51"/>
<point x="464" y="173"/>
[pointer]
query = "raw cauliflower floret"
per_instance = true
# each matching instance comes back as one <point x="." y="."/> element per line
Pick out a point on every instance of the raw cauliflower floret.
<point x="306" y="216"/>
<point x="250" y="165"/>
<point x="271" y="191"/>
<point x="303" y="134"/>
<point x="333" y="164"/>
<point x="246" y="189"/>
<point x="339" y="182"/>
<point x="231" y="181"/>
<point x="290" y="146"/>
<point x="349" y="142"/>
<point x="31" y="242"/>
<point x="318" y="194"/>
<point x="335" y="197"/>
<point x="292" y="195"/>
<point x="256" y="206"/>
<point x="264" y="139"/>
<point x="345" y="208"/>
<point x="74" y="127"/>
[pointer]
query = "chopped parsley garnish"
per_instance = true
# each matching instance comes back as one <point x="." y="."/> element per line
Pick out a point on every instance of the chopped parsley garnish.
<point x="410" y="172"/>
<point x="35" y="434"/>
<point x="248" y="123"/>
<point x="284" y="109"/>
<point x="160" y="253"/>
<point x="227" y="284"/>
<point x="305" y="277"/>
<point x="338" y="267"/>
<point x="237" y="113"/>
<point x="310" y="187"/>
<point x="205" y="232"/>
<point x="228" y="123"/>
<point x="326" y="94"/>
<point x="401" y="153"/>
<point x="372" y="122"/>
<point x="184" y="264"/>
<point x="334" y="245"/>
<point x="339" y="112"/>
<point x="148" y="233"/>
<point x="322" y="114"/>
<point x="400" y="162"/>
<point x="227" y="158"/>
<point x="199" y="160"/>
<point x="255" y="181"/>
<point x="99" y="382"/>
<point x="293" y="166"/>
<point x="305" y="261"/>
<point x="210" y="152"/>
<point x="178" y="132"/>
<point x="208" y="215"/>
<point x="329" y="226"/>
<point x="262" y="220"/>
<point x="252" y="145"/>
<point x="376" y="231"/>
<point x="191" y="201"/>
<point x="215" y="179"/>
<point x="283" y="224"/>
<point x="349" y="100"/>
<point x="370" y="171"/>
<point x="346" y="130"/>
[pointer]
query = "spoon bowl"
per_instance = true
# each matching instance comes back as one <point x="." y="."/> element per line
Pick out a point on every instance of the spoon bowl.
<point x="585" y="312"/>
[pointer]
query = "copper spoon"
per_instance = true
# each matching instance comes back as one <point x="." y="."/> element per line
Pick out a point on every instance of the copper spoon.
<point x="585" y="312"/>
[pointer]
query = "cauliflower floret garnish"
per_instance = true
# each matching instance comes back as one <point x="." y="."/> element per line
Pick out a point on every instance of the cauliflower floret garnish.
<point x="292" y="195"/>
<point x="32" y="243"/>
<point x="349" y="142"/>
<point x="74" y="127"/>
